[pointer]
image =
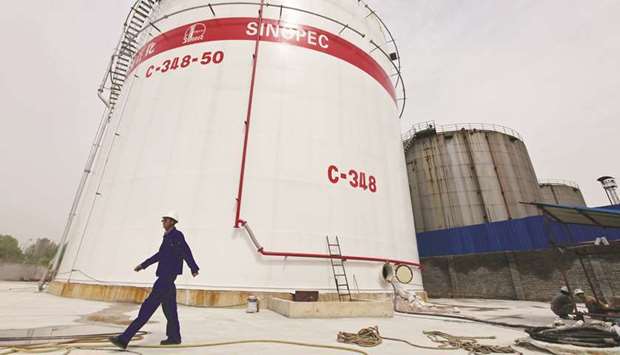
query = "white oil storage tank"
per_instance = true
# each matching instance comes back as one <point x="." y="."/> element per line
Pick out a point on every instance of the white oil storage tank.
<point x="467" y="174"/>
<point x="283" y="118"/>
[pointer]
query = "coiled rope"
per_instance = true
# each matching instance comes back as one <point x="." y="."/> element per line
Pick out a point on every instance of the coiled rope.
<point x="370" y="337"/>
<point x="469" y="343"/>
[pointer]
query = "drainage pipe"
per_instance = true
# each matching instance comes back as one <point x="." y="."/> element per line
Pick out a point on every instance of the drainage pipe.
<point x="264" y="252"/>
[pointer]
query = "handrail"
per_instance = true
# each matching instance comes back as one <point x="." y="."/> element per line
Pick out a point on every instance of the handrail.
<point x="264" y="252"/>
<point x="393" y="42"/>
<point x="430" y="125"/>
<point x="570" y="183"/>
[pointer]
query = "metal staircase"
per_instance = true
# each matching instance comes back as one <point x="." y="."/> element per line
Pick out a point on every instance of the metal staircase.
<point x="128" y="45"/>
<point x="340" y="274"/>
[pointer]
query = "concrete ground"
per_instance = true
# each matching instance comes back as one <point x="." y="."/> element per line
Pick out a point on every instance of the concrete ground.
<point x="24" y="311"/>
<point x="511" y="312"/>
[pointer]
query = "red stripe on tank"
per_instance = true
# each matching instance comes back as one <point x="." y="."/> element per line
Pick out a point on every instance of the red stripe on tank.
<point x="243" y="28"/>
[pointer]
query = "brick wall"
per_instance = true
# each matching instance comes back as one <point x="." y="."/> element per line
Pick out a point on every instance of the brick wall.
<point x="530" y="275"/>
<point x="436" y="277"/>
<point x="471" y="268"/>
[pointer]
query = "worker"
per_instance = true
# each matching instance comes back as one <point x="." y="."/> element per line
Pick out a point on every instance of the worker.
<point x="593" y="305"/>
<point x="562" y="305"/>
<point x="172" y="252"/>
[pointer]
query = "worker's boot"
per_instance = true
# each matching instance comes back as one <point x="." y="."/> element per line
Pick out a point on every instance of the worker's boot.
<point x="118" y="342"/>
<point x="170" y="342"/>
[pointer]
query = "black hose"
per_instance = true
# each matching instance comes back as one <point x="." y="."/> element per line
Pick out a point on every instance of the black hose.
<point x="583" y="336"/>
<point x="501" y="324"/>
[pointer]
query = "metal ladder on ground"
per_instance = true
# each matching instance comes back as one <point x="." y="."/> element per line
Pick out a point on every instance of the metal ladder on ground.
<point x="340" y="274"/>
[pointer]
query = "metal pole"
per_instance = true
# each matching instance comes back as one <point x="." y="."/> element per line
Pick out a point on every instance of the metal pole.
<point x="53" y="270"/>
<point x="583" y="266"/>
<point x="557" y="250"/>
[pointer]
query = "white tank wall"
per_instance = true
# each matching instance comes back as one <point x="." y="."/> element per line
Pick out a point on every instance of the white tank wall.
<point x="179" y="146"/>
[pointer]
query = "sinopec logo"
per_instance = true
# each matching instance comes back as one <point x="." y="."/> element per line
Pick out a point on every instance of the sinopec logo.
<point x="195" y="32"/>
<point x="150" y="49"/>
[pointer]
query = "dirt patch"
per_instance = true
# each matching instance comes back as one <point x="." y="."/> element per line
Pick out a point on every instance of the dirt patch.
<point x="115" y="314"/>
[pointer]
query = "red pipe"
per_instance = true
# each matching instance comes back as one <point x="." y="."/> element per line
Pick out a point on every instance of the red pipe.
<point x="262" y="250"/>
<point x="248" y="117"/>
<point x="341" y="257"/>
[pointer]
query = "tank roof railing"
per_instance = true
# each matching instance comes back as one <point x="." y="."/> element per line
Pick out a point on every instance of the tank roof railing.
<point x="391" y="41"/>
<point x="430" y="125"/>
<point x="570" y="183"/>
<point x="398" y="81"/>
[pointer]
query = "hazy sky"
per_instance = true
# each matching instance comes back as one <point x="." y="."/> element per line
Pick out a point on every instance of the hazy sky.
<point x="547" y="68"/>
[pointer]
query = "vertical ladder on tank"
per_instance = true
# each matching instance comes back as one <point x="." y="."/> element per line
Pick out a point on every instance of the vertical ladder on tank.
<point x="340" y="274"/>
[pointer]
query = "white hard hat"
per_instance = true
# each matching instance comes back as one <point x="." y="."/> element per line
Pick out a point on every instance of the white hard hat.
<point x="579" y="292"/>
<point x="172" y="214"/>
<point x="564" y="289"/>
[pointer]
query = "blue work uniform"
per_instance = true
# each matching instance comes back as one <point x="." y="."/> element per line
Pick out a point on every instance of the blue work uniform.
<point x="172" y="252"/>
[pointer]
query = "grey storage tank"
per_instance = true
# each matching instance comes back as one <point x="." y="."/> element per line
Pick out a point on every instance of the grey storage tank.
<point x="466" y="174"/>
<point x="561" y="192"/>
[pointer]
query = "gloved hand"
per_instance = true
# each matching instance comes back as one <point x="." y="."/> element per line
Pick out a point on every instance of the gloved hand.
<point x="138" y="268"/>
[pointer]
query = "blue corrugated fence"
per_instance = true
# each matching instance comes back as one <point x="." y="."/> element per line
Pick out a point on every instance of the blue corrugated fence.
<point x="513" y="235"/>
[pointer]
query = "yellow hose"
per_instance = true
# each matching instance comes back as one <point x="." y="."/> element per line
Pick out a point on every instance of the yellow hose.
<point x="254" y="341"/>
<point x="68" y="347"/>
